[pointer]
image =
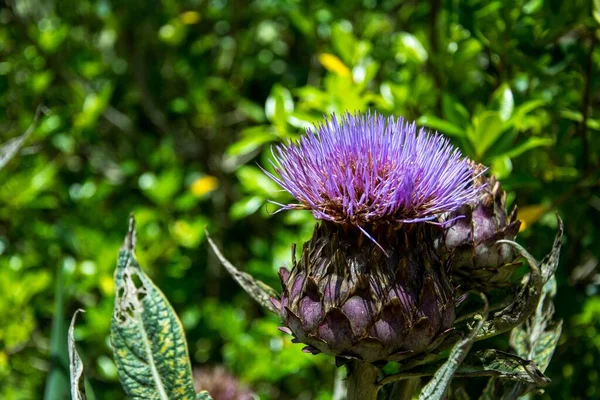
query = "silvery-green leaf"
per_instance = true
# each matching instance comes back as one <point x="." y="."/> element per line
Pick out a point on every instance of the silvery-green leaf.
<point x="504" y="365"/>
<point x="10" y="148"/>
<point x="530" y="294"/>
<point x="75" y="364"/>
<point x="148" y="341"/>
<point x="204" y="395"/>
<point x="537" y="338"/>
<point x="438" y="385"/>
<point x="259" y="291"/>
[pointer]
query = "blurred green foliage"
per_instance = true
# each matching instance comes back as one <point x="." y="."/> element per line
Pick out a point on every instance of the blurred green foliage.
<point x="166" y="108"/>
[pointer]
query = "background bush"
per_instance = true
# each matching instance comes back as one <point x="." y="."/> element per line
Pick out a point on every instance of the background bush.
<point x="166" y="108"/>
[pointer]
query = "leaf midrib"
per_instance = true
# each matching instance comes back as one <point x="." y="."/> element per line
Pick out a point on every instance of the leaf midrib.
<point x="147" y="346"/>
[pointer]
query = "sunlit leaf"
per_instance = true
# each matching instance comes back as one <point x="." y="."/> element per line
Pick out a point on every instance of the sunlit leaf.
<point x="204" y="395"/>
<point x="148" y="341"/>
<point x="75" y="364"/>
<point x="258" y="290"/>
<point x="538" y="337"/>
<point x="503" y="101"/>
<point x="441" y="126"/>
<point x="246" y="206"/>
<point x="487" y="128"/>
<point x="530" y="143"/>
<point x="278" y="105"/>
<point x="578" y="117"/>
<point x="409" y="48"/>
<point x="438" y="385"/>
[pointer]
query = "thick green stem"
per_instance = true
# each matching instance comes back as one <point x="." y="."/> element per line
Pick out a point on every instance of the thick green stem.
<point x="362" y="381"/>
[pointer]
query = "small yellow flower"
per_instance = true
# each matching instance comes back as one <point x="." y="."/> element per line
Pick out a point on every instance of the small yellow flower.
<point x="190" y="17"/>
<point x="334" y="64"/>
<point x="204" y="185"/>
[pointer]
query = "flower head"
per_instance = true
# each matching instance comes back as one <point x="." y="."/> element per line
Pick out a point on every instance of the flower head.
<point x="368" y="169"/>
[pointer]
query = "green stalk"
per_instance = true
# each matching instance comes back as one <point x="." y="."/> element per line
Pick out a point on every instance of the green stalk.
<point x="362" y="381"/>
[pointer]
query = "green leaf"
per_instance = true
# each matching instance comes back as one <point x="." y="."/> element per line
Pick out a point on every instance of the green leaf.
<point x="454" y="112"/>
<point x="501" y="167"/>
<point x="254" y="181"/>
<point x="503" y="101"/>
<point x="148" y="341"/>
<point x="410" y="49"/>
<point x="596" y="11"/>
<point x="530" y="143"/>
<point x="259" y="291"/>
<point x="538" y="337"/>
<point x="279" y="105"/>
<point x="252" y="139"/>
<point x="438" y="385"/>
<point x="75" y="364"/>
<point x="503" y="365"/>
<point x="344" y="43"/>
<point x="522" y="110"/>
<point x="204" y="395"/>
<point x="528" y="298"/>
<point x="246" y="206"/>
<point x="576" y="116"/>
<point x="493" y="363"/>
<point x="440" y="125"/>
<point x="487" y="128"/>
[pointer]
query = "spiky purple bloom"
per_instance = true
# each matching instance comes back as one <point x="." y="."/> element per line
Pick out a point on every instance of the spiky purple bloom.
<point x="368" y="169"/>
<point x="343" y="296"/>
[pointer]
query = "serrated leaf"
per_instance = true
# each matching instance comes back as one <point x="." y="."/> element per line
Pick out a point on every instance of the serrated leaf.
<point x="75" y="364"/>
<point x="148" y="341"/>
<point x="528" y="298"/>
<point x="537" y="338"/>
<point x="438" y="385"/>
<point x="259" y="291"/>
<point x="494" y="363"/>
<point x="502" y="365"/>
<point x="204" y="395"/>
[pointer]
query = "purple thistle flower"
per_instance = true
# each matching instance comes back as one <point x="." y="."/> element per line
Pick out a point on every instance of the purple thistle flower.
<point x="367" y="170"/>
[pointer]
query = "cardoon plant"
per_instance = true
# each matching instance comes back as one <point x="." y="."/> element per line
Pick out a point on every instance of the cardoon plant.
<point x="369" y="284"/>
<point x="408" y="228"/>
<point x="399" y="210"/>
